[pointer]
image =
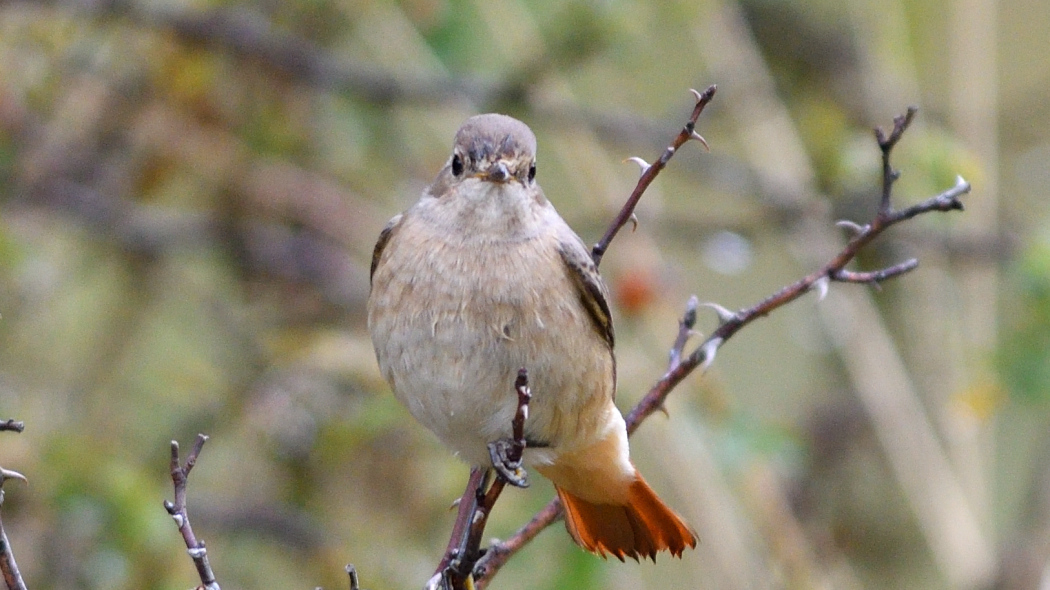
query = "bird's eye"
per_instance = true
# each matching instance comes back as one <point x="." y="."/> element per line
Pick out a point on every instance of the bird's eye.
<point x="457" y="165"/>
<point x="532" y="172"/>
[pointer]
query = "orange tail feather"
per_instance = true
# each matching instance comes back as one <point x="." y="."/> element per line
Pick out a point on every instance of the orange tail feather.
<point x="641" y="528"/>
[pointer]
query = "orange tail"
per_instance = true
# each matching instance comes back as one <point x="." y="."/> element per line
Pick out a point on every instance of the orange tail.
<point x="641" y="528"/>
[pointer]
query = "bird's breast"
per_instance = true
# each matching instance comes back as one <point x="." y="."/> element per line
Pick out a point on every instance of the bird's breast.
<point x="453" y="321"/>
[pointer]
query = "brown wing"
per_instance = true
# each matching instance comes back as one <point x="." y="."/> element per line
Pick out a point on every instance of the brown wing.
<point x="384" y="237"/>
<point x="593" y="293"/>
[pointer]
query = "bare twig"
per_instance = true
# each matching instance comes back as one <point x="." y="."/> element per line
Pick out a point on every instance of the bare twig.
<point x="685" y="330"/>
<point x="457" y="568"/>
<point x="833" y="270"/>
<point x="886" y="144"/>
<point x="730" y="323"/>
<point x="876" y="276"/>
<point x="498" y="554"/>
<point x="8" y="566"/>
<point x="649" y="171"/>
<point x="12" y="424"/>
<point x="465" y="511"/>
<point x="352" y="572"/>
<point x="180" y="477"/>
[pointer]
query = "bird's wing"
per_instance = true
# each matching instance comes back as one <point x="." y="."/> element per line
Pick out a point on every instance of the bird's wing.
<point x="381" y="243"/>
<point x="592" y="290"/>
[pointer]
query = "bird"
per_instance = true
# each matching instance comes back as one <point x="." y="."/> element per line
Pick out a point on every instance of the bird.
<point x="482" y="277"/>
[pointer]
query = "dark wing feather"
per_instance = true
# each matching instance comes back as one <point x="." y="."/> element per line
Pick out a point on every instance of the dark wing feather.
<point x="592" y="290"/>
<point x="384" y="237"/>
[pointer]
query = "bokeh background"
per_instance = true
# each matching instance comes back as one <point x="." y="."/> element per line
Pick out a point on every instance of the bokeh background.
<point x="189" y="195"/>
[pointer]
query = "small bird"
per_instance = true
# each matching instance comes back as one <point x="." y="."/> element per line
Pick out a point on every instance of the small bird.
<point x="482" y="277"/>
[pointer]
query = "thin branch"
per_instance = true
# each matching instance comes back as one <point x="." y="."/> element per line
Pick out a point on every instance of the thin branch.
<point x="457" y="568"/>
<point x="8" y="565"/>
<point x="833" y="270"/>
<point x="466" y="507"/>
<point x="685" y="330"/>
<point x="651" y="170"/>
<point x="875" y="277"/>
<point x="499" y="553"/>
<point x="13" y="425"/>
<point x="886" y="144"/>
<point x="730" y="323"/>
<point x="352" y="572"/>
<point x="180" y="477"/>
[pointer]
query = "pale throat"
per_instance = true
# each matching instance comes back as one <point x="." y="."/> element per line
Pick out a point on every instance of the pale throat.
<point x="496" y="210"/>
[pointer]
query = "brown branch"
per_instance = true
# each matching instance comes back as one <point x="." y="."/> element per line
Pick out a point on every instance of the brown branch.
<point x="730" y="323"/>
<point x="457" y="568"/>
<point x="499" y="553"/>
<point x="466" y="507"/>
<point x="13" y="425"/>
<point x="685" y="330"/>
<point x="8" y="565"/>
<point x="875" y="277"/>
<point x="352" y="572"/>
<point x="886" y="145"/>
<point x="650" y="171"/>
<point x="180" y="477"/>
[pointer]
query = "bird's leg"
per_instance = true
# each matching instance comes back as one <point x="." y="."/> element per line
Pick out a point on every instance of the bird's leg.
<point x="506" y="453"/>
<point x="464" y="547"/>
<point x="509" y="469"/>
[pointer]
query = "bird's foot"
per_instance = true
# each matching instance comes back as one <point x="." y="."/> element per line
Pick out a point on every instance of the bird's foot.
<point x="509" y="469"/>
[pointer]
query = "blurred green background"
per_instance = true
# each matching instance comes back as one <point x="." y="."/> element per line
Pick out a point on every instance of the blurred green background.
<point x="189" y="195"/>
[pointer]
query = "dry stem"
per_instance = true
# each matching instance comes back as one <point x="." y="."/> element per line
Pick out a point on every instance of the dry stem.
<point x="180" y="477"/>
<point x="8" y="565"/>
<point x="457" y="569"/>
<point x="650" y="171"/>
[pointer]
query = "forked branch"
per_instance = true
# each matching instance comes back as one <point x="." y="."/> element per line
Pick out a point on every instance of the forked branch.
<point x="681" y="365"/>
<point x="180" y="474"/>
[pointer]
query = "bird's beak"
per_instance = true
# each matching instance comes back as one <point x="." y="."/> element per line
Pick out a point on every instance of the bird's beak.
<point x="498" y="172"/>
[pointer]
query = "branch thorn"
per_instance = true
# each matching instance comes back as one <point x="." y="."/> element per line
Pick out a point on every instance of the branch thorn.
<point x="6" y="474"/>
<point x="724" y="315"/>
<point x="641" y="163"/>
<point x="855" y="228"/>
<point x="710" y="349"/>
<point x="821" y="285"/>
<point x="697" y="137"/>
<point x="961" y="187"/>
<point x="436" y="582"/>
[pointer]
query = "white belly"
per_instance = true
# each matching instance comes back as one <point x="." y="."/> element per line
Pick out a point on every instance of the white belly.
<point x="450" y="340"/>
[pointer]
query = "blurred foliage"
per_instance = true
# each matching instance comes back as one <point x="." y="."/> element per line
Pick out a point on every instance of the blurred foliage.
<point x="189" y="194"/>
<point x="1026" y="356"/>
